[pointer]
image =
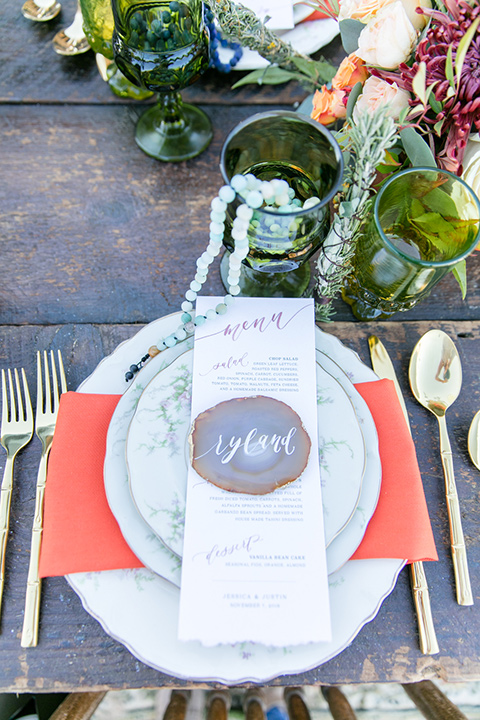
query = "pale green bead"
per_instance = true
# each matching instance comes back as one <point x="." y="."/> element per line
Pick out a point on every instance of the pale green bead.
<point x="221" y="309"/>
<point x="218" y="205"/>
<point x="211" y="314"/>
<point x="186" y="306"/>
<point x="195" y="286"/>
<point x="218" y="217"/>
<point x="239" y="183"/>
<point x="170" y="341"/>
<point x="199" y="320"/>
<point x="234" y="289"/>
<point x="227" y="194"/>
<point x="180" y="333"/>
<point x="191" y="295"/>
<point x="228" y="300"/>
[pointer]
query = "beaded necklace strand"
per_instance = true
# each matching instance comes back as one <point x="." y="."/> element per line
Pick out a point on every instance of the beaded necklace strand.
<point x="275" y="194"/>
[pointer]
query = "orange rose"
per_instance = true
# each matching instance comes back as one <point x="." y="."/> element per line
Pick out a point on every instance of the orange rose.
<point x="350" y="71"/>
<point x="328" y="105"/>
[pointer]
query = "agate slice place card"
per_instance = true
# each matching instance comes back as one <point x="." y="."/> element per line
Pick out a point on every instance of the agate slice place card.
<point x="254" y="565"/>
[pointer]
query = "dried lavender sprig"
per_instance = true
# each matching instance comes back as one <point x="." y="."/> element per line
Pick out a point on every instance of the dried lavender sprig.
<point x="368" y="139"/>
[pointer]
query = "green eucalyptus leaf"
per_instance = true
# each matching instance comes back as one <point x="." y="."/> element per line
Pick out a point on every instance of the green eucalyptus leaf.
<point x="460" y="274"/>
<point x="436" y="106"/>
<point x="353" y="97"/>
<point x="435" y="223"/>
<point x="416" y="148"/>
<point x="463" y="46"/>
<point x="350" y="31"/>
<point x="326" y="71"/>
<point x="419" y="83"/>
<point x="305" y="66"/>
<point x="449" y="67"/>
<point x="272" y="75"/>
<point x="439" y="201"/>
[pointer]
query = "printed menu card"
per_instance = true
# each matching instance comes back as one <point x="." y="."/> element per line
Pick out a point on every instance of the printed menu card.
<point x="254" y="564"/>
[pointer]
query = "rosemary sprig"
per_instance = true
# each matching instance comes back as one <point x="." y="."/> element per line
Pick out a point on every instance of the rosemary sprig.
<point x="365" y="143"/>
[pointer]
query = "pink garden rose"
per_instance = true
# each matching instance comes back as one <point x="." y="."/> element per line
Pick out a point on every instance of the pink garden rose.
<point x="377" y="92"/>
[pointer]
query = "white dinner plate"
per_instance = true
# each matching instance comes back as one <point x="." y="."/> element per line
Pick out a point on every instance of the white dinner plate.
<point x="144" y="614"/>
<point x="157" y="453"/>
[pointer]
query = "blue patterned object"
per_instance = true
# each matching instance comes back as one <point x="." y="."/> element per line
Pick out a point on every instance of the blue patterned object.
<point x="216" y="39"/>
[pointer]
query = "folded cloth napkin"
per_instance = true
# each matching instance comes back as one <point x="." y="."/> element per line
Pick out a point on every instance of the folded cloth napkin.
<point x="80" y="533"/>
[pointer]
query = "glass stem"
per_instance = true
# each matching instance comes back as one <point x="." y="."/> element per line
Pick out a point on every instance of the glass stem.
<point x="172" y="119"/>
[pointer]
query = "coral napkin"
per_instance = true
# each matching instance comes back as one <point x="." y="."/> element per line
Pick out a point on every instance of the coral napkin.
<point x="81" y="534"/>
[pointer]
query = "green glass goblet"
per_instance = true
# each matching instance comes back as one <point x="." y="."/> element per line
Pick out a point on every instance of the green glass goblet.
<point x="98" y="29"/>
<point x="288" y="146"/>
<point x="422" y="223"/>
<point x="164" y="46"/>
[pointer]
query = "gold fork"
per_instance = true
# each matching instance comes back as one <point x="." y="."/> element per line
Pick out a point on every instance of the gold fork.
<point x="45" y="419"/>
<point x="16" y="431"/>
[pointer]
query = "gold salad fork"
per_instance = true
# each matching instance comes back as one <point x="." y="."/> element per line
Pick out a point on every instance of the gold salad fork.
<point x="16" y="431"/>
<point x="45" y="419"/>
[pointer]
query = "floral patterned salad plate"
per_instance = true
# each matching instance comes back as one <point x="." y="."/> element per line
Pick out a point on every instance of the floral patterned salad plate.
<point x="144" y="614"/>
<point x="157" y="452"/>
<point x="147" y="545"/>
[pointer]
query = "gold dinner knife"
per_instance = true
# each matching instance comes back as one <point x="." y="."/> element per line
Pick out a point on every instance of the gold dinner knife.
<point x="383" y="367"/>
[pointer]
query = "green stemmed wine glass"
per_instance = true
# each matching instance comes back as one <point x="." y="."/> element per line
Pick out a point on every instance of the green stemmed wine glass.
<point x="164" y="46"/>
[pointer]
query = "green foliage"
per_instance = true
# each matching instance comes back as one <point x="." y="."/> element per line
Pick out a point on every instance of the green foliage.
<point x="353" y="97"/>
<point x="416" y="148"/>
<point x="366" y="142"/>
<point x="350" y="31"/>
<point x="460" y="275"/>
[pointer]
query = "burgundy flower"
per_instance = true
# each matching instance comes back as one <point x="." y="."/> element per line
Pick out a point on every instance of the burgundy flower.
<point x="460" y="111"/>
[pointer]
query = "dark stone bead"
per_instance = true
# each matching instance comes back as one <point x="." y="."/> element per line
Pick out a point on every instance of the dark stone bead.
<point x="133" y="369"/>
<point x="128" y="376"/>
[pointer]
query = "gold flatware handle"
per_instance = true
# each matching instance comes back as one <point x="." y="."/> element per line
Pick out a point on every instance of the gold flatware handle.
<point x="421" y="597"/>
<point x="5" y="502"/>
<point x="32" y="599"/>
<point x="383" y="366"/>
<point x="457" y="541"/>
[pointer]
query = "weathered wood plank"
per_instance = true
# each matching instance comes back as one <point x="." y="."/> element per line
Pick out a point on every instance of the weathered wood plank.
<point x="93" y="230"/>
<point x="74" y="653"/>
<point x="33" y="73"/>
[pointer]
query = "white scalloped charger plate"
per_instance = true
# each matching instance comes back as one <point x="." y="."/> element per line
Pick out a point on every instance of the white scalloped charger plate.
<point x="157" y="459"/>
<point x="144" y="614"/>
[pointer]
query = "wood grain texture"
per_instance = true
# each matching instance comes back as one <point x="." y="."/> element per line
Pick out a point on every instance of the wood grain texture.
<point x="74" y="653"/>
<point x="95" y="231"/>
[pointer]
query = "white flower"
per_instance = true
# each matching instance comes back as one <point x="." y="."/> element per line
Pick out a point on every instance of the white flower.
<point x="387" y="40"/>
<point x="377" y="92"/>
<point x="471" y="163"/>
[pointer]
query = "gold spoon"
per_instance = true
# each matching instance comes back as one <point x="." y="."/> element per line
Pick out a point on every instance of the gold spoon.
<point x="41" y="10"/>
<point x="71" y="40"/>
<point x="436" y="378"/>
<point x="474" y="440"/>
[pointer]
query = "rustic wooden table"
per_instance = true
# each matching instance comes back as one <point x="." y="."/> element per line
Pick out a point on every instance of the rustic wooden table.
<point x="98" y="239"/>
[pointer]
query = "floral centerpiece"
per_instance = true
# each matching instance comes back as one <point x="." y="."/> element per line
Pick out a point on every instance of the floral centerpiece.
<point x="418" y="63"/>
<point x="406" y="94"/>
